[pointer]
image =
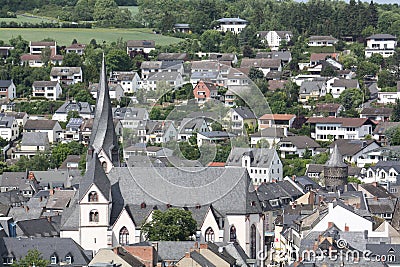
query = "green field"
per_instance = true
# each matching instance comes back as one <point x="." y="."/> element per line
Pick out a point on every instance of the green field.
<point x="133" y="9"/>
<point x="26" y="18"/>
<point x="64" y="36"/>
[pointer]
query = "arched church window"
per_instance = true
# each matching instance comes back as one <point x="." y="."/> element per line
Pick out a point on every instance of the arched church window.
<point x="94" y="216"/>
<point x="93" y="197"/>
<point x="253" y="236"/>
<point x="124" y="236"/>
<point x="232" y="234"/>
<point x="209" y="236"/>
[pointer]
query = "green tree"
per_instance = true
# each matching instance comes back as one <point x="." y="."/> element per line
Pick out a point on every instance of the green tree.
<point x="105" y="10"/>
<point x="72" y="114"/>
<point x="118" y="60"/>
<point x="216" y="126"/>
<point x="393" y="135"/>
<point x="351" y="98"/>
<point x="262" y="143"/>
<point x="366" y="68"/>
<point x="210" y="41"/>
<point x="255" y="74"/>
<point x="72" y="60"/>
<point x="172" y="225"/>
<point x="83" y="10"/>
<point x="386" y="79"/>
<point x="396" y="112"/>
<point x="33" y="257"/>
<point x="85" y="96"/>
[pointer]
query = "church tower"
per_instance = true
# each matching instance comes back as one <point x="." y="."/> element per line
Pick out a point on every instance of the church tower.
<point x="335" y="171"/>
<point x="95" y="204"/>
<point x="103" y="139"/>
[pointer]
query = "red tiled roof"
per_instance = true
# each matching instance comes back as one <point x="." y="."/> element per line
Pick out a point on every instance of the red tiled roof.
<point x="322" y="56"/>
<point x="281" y="117"/>
<point x="216" y="164"/>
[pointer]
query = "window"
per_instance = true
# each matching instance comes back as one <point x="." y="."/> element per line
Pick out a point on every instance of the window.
<point x="68" y="259"/>
<point x="8" y="260"/>
<point x="104" y="165"/>
<point x="232" y="234"/>
<point x="253" y="236"/>
<point x="93" y="197"/>
<point x="123" y="236"/>
<point x="94" y="216"/>
<point x="209" y="236"/>
<point x="53" y="259"/>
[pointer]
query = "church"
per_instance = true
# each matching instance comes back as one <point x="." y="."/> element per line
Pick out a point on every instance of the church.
<point x="113" y="202"/>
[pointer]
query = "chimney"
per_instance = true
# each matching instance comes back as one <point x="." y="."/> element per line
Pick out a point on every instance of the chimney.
<point x="204" y="246"/>
<point x="293" y="177"/>
<point x="375" y="184"/>
<point x="285" y="131"/>
<point x="26" y="208"/>
<point x="196" y="244"/>
<point x="330" y="224"/>
<point x="346" y="228"/>
<point x="51" y="192"/>
<point x="155" y="245"/>
<point x="187" y="255"/>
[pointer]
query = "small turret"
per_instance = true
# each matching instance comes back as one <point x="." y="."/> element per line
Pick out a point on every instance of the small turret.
<point x="335" y="171"/>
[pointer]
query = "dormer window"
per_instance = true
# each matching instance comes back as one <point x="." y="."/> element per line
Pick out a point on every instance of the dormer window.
<point x="68" y="259"/>
<point x="53" y="259"/>
<point x="93" y="196"/>
<point x="8" y="260"/>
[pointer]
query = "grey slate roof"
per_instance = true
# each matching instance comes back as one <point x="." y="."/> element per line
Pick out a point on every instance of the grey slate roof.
<point x="60" y="71"/>
<point x="377" y="111"/>
<point x="103" y="135"/>
<point x="95" y="175"/>
<point x="40" y="124"/>
<point x="382" y="36"/>
<point x="301" y="141"/>
<point x="47" y="246"/>
<point x="346" y="83"/>
<point x="44" y="83"/>
<point x="245" y="113"/>
<point x="5" y="83"/>
<point x="201" y="260"/>
<point x="141" y="43"/>
<point x="172" y="56"/>
<point x="310" y="86"/>
<point x="260" y="157"/>
<point x="81" y="107"/>
<point x="351" y="147"/>
<point x="270" y="132"/>
<point x="130" y="113"/>
<point x="229" y="190"/>
<point x="37" y="228"/>
<point x="169" y="250"/>
<point x="164" y="76"/>
<point x="335" y="159"/>
<point x="35" y="139"/>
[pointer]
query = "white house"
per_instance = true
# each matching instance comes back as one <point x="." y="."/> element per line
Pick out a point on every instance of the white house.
<point x="262" y="164"/>
<point x="85" y="110"/>
<point x="66" y="75"/>
<point x="336" y="86"/>
<point x="31" y="144"/>
<point x="48" y="89"/>
<point x="344" y="218"/>
<point x="276" y="120"/>
<point x="240" y="117"/>
<point x="140" y="46"/>
<point x="331" y="128"/>
<point x="322" y="41"/>
<point x="234" y="25"/>
<point x="190" y="126"/>
<point x="115" y="90"/>
<point x="383" y="44"/>
<point x="129" y="80"/>
<point x="76" y="48"/>
<point x="264" y="64"/>
<point x="275" y="38"/>
<point x="169" y="80"/>
<point x="383" y="172"/>
<point x="354" y="151"/>
<point x="9" y="129"/>
<point x="51" y="127"/>
<point x="297" y="145"/>
<point x="7" y="90"/>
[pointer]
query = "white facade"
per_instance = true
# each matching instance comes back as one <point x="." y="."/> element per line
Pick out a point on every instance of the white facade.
<point x="10" y="131"/>
<point x="66" y="75"/>
<point x="264" y="174"/>
<point x="49" y="90"/>
<point x="328" y="131"/>
<point x="383" y="44"/>
<point x="234" y="25"/>
<point x="274" y="39"/>
<point x="388" y="97"/>
<point x="344" y="219"/>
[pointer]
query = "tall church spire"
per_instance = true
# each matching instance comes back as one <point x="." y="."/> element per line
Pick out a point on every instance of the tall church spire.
<point x="103" y="139"/>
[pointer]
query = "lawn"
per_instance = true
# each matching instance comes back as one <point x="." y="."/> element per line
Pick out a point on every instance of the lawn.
<point x="133" y="9"/>
<point x="26" y="18"/>
<point x="64" y="36"/>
